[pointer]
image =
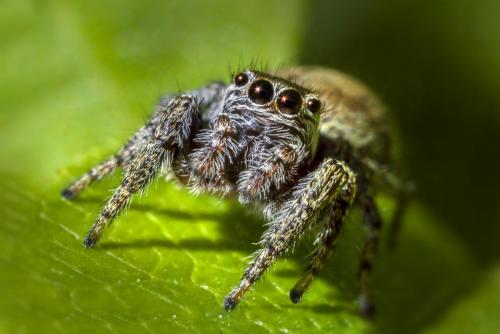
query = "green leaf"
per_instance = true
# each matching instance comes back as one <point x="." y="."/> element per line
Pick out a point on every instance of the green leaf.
<point x="169" y="261"/>
<point x="476" y="312"/>
<point x="81" y="77"/>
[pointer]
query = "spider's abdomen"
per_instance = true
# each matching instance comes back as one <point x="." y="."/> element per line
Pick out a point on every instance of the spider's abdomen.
<point x="352" y="115"/>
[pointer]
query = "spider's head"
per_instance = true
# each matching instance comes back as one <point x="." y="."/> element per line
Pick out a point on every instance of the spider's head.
<point x="274" y="106"/>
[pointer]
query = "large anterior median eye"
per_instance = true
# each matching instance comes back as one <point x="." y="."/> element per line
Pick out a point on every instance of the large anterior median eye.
<point x="289" y="101"/>
<point x="261" y="92"/>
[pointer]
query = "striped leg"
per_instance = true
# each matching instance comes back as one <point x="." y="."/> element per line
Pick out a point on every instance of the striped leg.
<point x="142" y="170"/>
<point x="326" y="241"/>
<point x="205" y="99"/>
<point x="120" y="159"/>
<point x="316" y="191"/>
<point x="374" y="223"/>
<point x="400" y="189"/>
<point x="168" y="137"/>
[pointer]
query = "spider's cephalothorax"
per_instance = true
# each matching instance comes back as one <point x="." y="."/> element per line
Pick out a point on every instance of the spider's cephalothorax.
<point x="256" y="143"/>
<point x="306" y="152"/>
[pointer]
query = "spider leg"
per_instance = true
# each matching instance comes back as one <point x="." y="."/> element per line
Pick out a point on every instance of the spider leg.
<point x="207" y="97"/>
<point x="400" y="189"/>
<point x="313" y="193"/>
<point x="140" y="173"/>
<point x="373" y="221"/>
<point x="121" y="159"/>
<point x="326" y="240"/>
<point x="167" y="138"/>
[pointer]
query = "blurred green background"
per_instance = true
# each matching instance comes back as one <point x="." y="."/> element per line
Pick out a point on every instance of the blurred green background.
<point x="77" y="77"/>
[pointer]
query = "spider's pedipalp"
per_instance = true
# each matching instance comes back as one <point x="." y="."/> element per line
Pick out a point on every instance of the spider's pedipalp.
<point x="218" y="146"/>
<point x="268" y="170"/>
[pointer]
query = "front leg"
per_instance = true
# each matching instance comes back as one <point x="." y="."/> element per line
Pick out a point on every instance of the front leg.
<point x="326" y="240"/>
<point x="121" y="159"/>
<point x="313" y="193"/>
<point x="206" y="99"/>
<point x="170" y="135"/>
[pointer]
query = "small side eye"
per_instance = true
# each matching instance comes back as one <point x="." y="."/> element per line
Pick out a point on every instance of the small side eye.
<point x="289" y="101"/>
<point x="261" y="92"/>
<point x="313" y="105"/>
<point x="240" y="79"/>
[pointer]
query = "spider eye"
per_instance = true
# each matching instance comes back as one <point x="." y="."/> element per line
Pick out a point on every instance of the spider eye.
<point x="240" y="79"/>
<point x="261" y="92"/>
<point x="313" y="105"/>
<point x="289" y="101"/>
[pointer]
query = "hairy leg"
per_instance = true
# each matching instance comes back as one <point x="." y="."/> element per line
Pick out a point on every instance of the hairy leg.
<point x="326" y="241"/>
<point x="140" y="173"/>
<point x="373" y="221"/>
<point x="207" y="98"/>
<point x="400" y="189"/>
<point x="317" y="190"/>
<point x="121" y="159"/>
<point x="168" y="137"/>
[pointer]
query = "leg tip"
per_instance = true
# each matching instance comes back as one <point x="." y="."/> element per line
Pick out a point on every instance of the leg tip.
<point x="68" y="194"/>
<point x="295" y="296"/>
<point x="367" y="309"/>
<point x="229" y="303"/>
<point x="89" y="242"/>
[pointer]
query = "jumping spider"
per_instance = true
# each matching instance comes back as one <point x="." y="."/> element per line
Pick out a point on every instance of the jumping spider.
<point x="304" y="152"/>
